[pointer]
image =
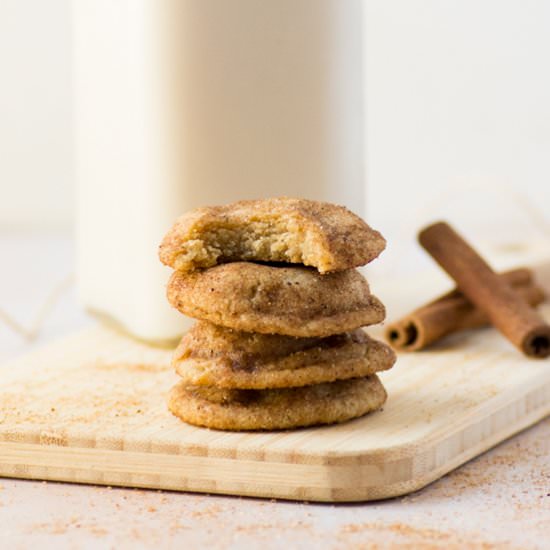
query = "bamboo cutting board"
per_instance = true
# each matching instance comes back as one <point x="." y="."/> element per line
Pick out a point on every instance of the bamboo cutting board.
<point x="91" y="409"/>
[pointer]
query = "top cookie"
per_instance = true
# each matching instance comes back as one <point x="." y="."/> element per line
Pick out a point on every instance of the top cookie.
<point x="318" y="234"/>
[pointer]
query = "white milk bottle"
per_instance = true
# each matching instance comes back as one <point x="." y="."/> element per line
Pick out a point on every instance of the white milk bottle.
<point x="183" y="103"/>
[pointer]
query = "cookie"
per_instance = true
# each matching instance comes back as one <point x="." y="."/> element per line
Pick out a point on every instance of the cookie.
<point x="298" y="231"/>
<point x="295" y="301"/>
<point x="276" y="409"/>
<point x="210" y="355"/>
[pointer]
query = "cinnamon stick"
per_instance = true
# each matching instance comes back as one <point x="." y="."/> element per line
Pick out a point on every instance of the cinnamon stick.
<point x="453" y="312"/>
<point x="511" y="315"/>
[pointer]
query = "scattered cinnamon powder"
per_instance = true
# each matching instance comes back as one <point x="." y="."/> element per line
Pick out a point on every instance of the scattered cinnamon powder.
<point x="61" y="527"/>
<point x="208" y="512"/>
<point x="131" y="367"/>
<point x="424" y="538"/>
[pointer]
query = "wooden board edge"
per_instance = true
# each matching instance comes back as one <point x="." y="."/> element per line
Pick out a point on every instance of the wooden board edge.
<point x="372" y="480"/>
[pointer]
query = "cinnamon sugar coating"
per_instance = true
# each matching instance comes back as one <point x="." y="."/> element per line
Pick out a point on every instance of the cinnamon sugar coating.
<point x="294" y="301"/>
<point x="276" y="409"/>
<point x="215" y="356"/>
<point x="298" y="231"/>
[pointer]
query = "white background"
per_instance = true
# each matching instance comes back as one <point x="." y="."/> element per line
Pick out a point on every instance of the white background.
<point x="36" y="153"/>
<point x="457" y="99"/>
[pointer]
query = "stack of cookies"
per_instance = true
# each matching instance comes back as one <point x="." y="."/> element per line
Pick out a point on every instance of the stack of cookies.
<point x="279" y="304"/>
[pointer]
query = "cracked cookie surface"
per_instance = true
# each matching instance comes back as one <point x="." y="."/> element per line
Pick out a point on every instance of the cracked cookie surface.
<point x="277" y="409"/>
<point x="294" y="301"/>
<point x="211" y="355"/>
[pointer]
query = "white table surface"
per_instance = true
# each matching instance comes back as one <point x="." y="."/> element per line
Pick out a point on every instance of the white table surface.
<point x="499" y="500"/>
